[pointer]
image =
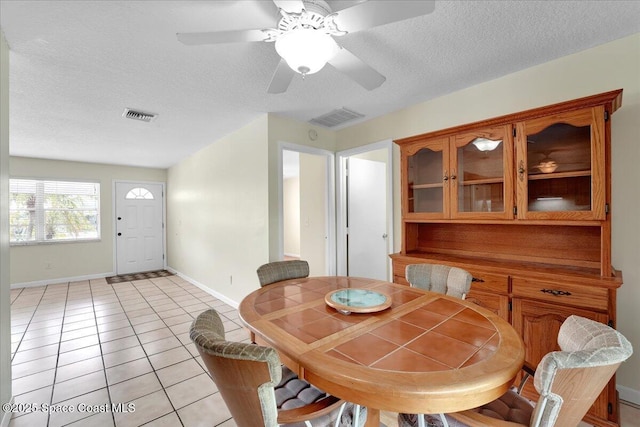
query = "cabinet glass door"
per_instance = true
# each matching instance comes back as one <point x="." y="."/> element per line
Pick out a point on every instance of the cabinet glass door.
<point x="426" y="187"/>
<point x="562" y="160"/>
<point x="481" y="174"/>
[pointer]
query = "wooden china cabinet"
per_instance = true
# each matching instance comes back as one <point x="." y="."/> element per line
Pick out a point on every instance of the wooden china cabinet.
<point x="523" y="203"/>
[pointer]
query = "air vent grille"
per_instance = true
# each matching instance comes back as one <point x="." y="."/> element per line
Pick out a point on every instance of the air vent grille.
<point x="336" y="118"/>
<point x="139" y="115"/>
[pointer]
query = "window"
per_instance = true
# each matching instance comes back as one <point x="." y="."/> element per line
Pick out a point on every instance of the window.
<point x="139" y="193"/>
<point x="53" y="211"/>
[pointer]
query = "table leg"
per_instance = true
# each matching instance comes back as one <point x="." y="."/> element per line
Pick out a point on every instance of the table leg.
<point x="373" y="417"/>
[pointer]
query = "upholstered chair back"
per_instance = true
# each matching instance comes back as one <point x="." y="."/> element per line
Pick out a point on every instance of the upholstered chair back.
<point x="570" y="380"/>
<point x="442" y="279"/>
<point x="278" y="271"/>
<point x="245" y="374"/>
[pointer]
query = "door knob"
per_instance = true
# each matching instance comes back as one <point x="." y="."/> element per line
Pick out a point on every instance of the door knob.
<point x="384" y="236"/>
<point x="119" y="218"/>
<point x="119" y="234"/>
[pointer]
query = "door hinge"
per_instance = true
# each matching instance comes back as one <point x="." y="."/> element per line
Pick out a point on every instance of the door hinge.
<point x="606" y="116"/>
<point x="163" y="256"/>
<point x="606" y="208"/>
<point x="610" y="408"/>
<point x="515" y="210"/>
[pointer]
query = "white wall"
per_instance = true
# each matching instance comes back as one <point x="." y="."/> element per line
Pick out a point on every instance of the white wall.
<point x="217" y="212"/>
<point x="5" y="310"/>
<point x="88" y="258"/>
<point x="607" y="67"/>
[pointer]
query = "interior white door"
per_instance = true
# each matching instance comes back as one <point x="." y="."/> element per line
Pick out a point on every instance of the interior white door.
<point x="367" y="240"/>
<point x="139" y="227"/>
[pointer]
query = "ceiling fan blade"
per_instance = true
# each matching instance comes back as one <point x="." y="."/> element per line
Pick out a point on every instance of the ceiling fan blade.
<point x="222" y="37"/>
<point x="372" y="13"/>
<point x="359" y="71"/>
<point x="291" y="6"/>
<point x="281" y="78"/>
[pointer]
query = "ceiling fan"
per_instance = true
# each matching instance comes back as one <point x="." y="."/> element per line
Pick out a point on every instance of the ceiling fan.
<point x="304" y="37"/>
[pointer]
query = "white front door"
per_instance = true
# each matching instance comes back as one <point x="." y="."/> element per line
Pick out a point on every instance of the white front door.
<point x="367" y="253"/>
<point x="139" y="227"/>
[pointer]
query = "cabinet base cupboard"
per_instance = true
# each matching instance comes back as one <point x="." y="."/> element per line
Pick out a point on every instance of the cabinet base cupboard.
<point x="522" y="202"/>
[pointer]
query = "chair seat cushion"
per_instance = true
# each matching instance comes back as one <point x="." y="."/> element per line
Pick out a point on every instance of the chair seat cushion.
<point x="292" y="392"/>
<point x="509" y="407"/>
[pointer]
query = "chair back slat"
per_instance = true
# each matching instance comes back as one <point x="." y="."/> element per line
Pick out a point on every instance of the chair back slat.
<point x="238" y="382"/>
<point x="579" y="388"/>
<point x="570" y="380"/>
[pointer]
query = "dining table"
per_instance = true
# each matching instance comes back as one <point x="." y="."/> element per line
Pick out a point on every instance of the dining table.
<point x="386" y="346"/>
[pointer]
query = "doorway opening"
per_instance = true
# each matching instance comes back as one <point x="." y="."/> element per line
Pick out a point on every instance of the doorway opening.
<point x="365" y="211"/>
<point x="306" y="207"/>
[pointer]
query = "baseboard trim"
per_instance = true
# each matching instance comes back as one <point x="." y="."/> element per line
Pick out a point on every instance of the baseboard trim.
<point x="629" y="395"/>
<point x="60" y="280"/>
<point x="205" y="288"/>
<point x="6" y="416"/>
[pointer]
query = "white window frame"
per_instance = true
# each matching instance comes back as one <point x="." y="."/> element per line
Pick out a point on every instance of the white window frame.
<point x="40" y="223"/>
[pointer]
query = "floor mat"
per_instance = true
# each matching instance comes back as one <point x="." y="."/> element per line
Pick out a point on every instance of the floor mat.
<point x="138" y="276"/>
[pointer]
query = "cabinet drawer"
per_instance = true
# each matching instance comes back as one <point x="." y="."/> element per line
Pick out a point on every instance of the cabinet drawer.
<point x="561" y="293"/>
<point x="499" y="304"/>
<point x="399" y="272"/>
<point x="488" y="282"/>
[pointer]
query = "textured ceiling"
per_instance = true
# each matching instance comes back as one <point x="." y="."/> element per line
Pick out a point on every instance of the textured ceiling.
<point x="76" y="65"/>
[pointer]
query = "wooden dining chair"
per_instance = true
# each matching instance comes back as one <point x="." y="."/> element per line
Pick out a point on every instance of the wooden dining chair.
<point x="258" y="389"/>
<point x="278" y="271"/>
<point x="569" y="380"/>
<point x="443" y="279"/>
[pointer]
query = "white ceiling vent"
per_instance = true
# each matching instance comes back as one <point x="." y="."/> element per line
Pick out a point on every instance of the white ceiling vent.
<point x="139" y="115"/>
<point x="336" y="118"/>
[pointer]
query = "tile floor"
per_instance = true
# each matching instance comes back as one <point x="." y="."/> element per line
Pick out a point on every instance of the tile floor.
<point x="87" y="345"/>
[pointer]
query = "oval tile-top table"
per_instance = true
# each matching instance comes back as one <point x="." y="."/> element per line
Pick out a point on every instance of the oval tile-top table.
<point x="426" y="353"/>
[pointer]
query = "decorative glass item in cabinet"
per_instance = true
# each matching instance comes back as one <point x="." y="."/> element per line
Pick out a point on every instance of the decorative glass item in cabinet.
<point x="559" y="168"/>
<point x="481" y="176"/>
<point x="425" y="181"/>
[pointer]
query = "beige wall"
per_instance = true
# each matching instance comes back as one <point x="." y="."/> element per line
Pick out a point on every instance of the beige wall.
<point x="28" y="263"/>
<point x="5" y="311"/>
<point x="283" y="130"/>
<point x="313" y="218"/>
<point x="217" y="219"/>
<point x="291" y="216"/>
<point x="607" y="67"/>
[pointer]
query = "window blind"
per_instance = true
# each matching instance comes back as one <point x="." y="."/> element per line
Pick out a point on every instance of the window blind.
<point x="46" y="211"/>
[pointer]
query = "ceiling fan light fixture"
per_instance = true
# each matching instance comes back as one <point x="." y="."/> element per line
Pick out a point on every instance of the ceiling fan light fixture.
<point x="484" y="144"/>
<point x="306" y="50"/>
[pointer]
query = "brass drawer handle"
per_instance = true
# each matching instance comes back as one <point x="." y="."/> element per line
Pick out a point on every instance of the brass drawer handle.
<point x="475" y="279"/>
<point x="555" y="292"/>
